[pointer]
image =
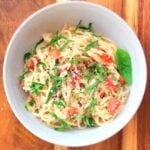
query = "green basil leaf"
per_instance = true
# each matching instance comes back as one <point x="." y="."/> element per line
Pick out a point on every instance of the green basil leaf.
<point x="31" y="103"/>
<point x="91" y="45"/>
<point x="26" y="107"/>
<point x="21" y="77"/>
<point x="124" y="65"/>
<point x="27" y="56"/>
<point x="35" y="87"/>
<point x="89" y="122"/>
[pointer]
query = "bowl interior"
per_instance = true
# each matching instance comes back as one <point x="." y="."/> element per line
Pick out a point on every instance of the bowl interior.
<point x="51" y="19"/>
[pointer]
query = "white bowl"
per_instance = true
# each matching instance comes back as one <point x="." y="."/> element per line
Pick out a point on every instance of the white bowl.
<point x="52" y="18"/>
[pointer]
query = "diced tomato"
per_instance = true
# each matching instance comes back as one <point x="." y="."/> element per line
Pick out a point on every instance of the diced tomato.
<point x="37" y="58"/>
<point x="111" y="85"/>
<point x="121" y="80"/>
<point x="76" y="76"/>
<point x="73" y="85"/>
<point x="113" y="105"/>
<point x="102" y="95"/>
<point x="31" y="64"/>
<point x="107" y="59"/>
<point x="72" y="110"/>
<point x="54" y="53"/>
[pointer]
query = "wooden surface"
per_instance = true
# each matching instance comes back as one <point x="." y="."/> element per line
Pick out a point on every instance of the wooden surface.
<point x="135" y="136"/>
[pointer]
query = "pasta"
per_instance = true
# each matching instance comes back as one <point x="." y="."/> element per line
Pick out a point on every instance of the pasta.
<point x="72" y="80"/>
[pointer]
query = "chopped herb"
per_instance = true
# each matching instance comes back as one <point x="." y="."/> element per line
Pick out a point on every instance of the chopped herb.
<point x="92" y="105"/>
<point x="26" y="107"/>
<point x="91" y="89"/>
<point x="35" y="87"/>
<point x="87" y="76"/>
<point x="54" y="40"/>
<point x="72" y="61"/>
<point x="59" y="103"/>
<point x="31" y="103"/>
<point x="76" y="59"/>
<point x="89" y="122"/>
<point x="21" y="77"/>
<point x="96" y="35"/>
<point x="42" y="64"/>
<point x="91" y="45"/>
<point x="80" y="26"/>
<point x="64" y="125"/>
<point x="124" y="65"/>
<point x="65" y="44"/>
<point x="32" y="51"/>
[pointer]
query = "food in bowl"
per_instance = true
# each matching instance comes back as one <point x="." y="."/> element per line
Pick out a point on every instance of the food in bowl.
<point x="76" y="78"/>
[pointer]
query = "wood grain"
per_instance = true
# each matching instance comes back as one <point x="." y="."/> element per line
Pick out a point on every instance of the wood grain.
<point x="135" y="136"/>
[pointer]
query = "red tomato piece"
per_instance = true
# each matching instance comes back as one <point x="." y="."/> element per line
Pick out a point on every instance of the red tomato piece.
<point x="121" y="80"/>
<point x="37" y="58"/>
<point x="73" y="85"/>
<point x="107" y="59"/>
<point x="72" y="110"/>
<point x="102" y="95"/>
<point x="76" y="76"/>
<point x="113" y="105"/>
<point x="31" y="64"/>
<point x="111" y="85"/>
<point x="54" y="53"/>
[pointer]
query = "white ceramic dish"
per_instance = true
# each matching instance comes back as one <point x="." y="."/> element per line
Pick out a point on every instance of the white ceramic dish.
<point x="52" y="18"/>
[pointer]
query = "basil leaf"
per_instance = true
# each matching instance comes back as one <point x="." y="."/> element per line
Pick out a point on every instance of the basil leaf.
<point x="79" y="26"/>
<point x="59" y="103"/>
<point x="65" y="44"/>
<point x="73" y="61"/>
<point x="26" y="108"/>
<point x="124" y="65"/>
<point x="29" y="54"/>
<point x="35" y="87"/>
<point x="21" y="77"/>
<point x="92" y="105"/>
<point x="89" y="122"/>
<point x="64" y="125"/>
<point x="91" y="45"/>
<point x="41" y="63"/>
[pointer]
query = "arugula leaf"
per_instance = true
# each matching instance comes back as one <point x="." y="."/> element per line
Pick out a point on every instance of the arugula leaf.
<point x="91" y="45"/>
<point x="89" y="122"/>
<point x="59" y="103"/>
<point x="92" y="105"/>
<point x="64" y="125"/>
<point x="41" y="63"/>
<point x="32" y="51"/>
<point x="76" y="59"/>
<point x="35" y="87"/>
<point x="54" y="40"/>
<point x="72" y="61"/>
<point x="21" y="77"/>
<point x="91" y="89"/>
<point x="79" y="26"/>
<point x="124" y="65"/>
<point x="65" y="44"/>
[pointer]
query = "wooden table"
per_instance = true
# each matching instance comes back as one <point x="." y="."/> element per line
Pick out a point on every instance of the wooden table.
<point x="135" y="136"/>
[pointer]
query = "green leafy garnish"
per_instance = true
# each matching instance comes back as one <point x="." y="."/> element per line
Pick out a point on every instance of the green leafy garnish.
<point x="91" y="89"/>
<point x="35" y="87"/>
<point x="72" y="61"/>
<point x="91" y="45"/>
<point x="80" y="26"/>
<point x="54" y="40"/>
<point x="21" y="77"/>
<point x="32" y="51"/>
<point x="96" y="35"/>
<point x="124" y="65"/>
<point x="65" y="44"/>
<point x="64" y="125"/>
<point x="31" y="103"/>
<point x="59" y="103"/>
<point x="92" y="105"/>
<point x="57" y="82"/>
<point x="26" y="107"/>
<point x="77" y="59"/>
<point x="42" y="64"/>
<point x="89" y="122"/>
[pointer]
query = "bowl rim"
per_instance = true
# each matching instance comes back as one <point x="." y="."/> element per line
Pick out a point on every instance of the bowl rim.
<point x="8" y="50"/>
